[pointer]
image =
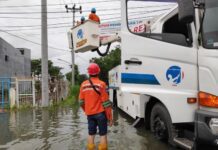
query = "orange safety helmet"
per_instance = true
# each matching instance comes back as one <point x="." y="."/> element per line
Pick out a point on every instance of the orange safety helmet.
<point x="94" y="69"/>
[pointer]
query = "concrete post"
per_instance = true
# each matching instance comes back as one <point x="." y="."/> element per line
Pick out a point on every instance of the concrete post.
<point x="44" y="49"/>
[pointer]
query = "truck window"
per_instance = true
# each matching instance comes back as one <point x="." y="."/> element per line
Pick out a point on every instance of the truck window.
<point x="172" y="25"/>
<point x="143" y="21"/>
<point x="210" y="25"/>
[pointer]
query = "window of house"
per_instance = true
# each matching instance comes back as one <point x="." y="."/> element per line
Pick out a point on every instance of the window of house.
<point x="22" y="51"/>
<point x="6" y="58"/>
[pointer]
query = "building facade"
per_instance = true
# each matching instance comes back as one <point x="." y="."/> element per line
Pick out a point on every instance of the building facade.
<point x="14" y="62"/>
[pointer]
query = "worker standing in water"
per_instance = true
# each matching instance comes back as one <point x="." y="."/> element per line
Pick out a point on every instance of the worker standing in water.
<point x="95" y="102"/>
<point x="93" y="16"/>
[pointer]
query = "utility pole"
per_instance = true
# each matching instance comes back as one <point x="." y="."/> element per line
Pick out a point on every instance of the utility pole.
<point x="73" y="10"/>
<point x="44" y="49"/>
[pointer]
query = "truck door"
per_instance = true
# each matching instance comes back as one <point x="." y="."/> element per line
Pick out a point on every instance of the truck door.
<point x="208" y="55"/>
<point x="207" y="122"/>
<point x="161" y="61"/>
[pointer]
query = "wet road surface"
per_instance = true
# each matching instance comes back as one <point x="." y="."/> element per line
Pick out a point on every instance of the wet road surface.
<point x="66" y="129"/>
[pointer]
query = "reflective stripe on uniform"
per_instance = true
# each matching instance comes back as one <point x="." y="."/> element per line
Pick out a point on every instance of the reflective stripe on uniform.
<point x="81" y="102"/>
<point x="89" y="87"/>
<point x="107" y="103"/>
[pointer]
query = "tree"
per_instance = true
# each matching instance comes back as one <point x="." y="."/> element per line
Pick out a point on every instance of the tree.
<point x="79" y="78"/>
<point x="108" y="62"/>
<point x="36" y="66"/>
<point x="54" y="71"/>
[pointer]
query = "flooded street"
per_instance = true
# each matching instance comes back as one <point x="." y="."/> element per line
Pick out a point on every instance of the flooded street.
<point x="66" y="129"/>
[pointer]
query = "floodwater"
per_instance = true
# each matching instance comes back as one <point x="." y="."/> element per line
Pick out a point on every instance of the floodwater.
<point x="66" y="129"/>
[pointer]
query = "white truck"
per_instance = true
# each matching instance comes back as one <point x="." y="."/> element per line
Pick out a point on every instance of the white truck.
<point x="169" y="76"/>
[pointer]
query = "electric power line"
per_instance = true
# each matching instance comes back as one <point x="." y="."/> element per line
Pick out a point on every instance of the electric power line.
<point x="110" y="9"/>
<point x="16" y="26"/>
<point x="68" y="23"/>
<point x="68" y="26"/>
<point x="30" y="13"/>
<point x="32" y="41"/>
<point x="37" y="5"/>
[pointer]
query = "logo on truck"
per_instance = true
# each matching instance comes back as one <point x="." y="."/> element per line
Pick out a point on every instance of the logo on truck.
<point x="80" y="36"/>
<point x="175" y="75"/>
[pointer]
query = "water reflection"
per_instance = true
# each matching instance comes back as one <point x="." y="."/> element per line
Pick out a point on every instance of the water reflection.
<point x="122" y="136"/>
<point x="66" y="128"/>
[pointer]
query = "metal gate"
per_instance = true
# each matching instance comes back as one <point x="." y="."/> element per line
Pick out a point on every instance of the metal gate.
<point x="5" y="92"/>
<point x="25" y="93"/>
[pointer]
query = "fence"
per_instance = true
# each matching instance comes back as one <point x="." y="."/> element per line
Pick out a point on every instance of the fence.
<point x="58" y="90"/>
<point x="5" y="84"/>
<point x="27" y="91"/>
<point x="16" y="91"/>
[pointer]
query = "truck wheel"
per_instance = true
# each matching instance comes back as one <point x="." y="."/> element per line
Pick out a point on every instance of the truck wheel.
<point x="161" y="124"/>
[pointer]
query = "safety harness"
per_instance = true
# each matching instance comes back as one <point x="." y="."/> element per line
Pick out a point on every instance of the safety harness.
<point x="90" y="81"/>
<point x="105" y="103"/>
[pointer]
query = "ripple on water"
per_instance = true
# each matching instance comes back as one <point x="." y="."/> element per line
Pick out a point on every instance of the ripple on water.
<point x="66" y="129"/>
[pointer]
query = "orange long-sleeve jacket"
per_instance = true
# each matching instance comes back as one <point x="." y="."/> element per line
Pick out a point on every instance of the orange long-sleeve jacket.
<point x="91" y="101"/>
<point x="94" y="17"/>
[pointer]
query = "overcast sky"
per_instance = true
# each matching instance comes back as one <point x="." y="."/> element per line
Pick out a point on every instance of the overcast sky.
<point x="24" y="22"/>
<point x="12" y="18"/>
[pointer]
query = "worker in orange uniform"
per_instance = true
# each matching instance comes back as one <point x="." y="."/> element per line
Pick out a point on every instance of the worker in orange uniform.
<point x="96" y="105"/>
<point x="93" y="16"/>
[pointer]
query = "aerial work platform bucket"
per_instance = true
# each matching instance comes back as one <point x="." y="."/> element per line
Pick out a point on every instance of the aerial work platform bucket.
<point x="85" y="37"/>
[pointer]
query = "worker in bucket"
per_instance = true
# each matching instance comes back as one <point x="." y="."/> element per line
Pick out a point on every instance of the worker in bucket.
<point x="93" y="16"/>
<point x="82" y="20"/>
<point x="95" y="102"/>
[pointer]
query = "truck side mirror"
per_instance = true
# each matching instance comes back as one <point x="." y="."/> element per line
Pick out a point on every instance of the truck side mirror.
<point x="186" y="11"/>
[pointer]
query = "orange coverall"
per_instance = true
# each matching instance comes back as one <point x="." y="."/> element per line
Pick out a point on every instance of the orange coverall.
<point x="94" y="17"/>
<point x="93" y="103"/>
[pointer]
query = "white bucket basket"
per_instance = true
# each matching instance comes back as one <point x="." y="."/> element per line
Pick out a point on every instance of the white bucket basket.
<point x="85" y="37"/>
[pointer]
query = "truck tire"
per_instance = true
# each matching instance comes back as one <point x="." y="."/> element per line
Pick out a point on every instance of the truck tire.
<point x="161" y="124"/>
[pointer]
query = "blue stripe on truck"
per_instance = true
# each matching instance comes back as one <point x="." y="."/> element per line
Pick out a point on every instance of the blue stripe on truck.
<point x="139" y="78"/>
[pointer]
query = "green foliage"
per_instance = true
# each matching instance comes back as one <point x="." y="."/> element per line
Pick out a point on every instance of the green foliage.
<point x="22" y="107"/>
<point x="52" y="70"/>
<point x="14" y="108"/>
<point x="25" y="107"/>
<point x="79" y="78"/>
<point x="38" y="86"/>
<point x="108" y="62"/>
<point x="36" y="66"/>
<point x="74" y="91"/>
<point x="71" y="100"/>
<point x="6" y="106"/>
<point x="69" y="74"/>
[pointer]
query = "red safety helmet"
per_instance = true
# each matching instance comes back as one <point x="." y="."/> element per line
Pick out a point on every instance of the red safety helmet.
<point x="93" y="69"/>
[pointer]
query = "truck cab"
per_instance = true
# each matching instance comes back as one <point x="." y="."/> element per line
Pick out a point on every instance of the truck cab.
<point x="169" y="76"/>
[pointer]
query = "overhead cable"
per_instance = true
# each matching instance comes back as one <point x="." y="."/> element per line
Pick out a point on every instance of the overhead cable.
<point x="38" y="5"/>
<point x="32" y="41"/>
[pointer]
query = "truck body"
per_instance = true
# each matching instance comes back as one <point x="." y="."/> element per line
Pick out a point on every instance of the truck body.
<point x="175" y="67"/>
<point x="169" y="73"/>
